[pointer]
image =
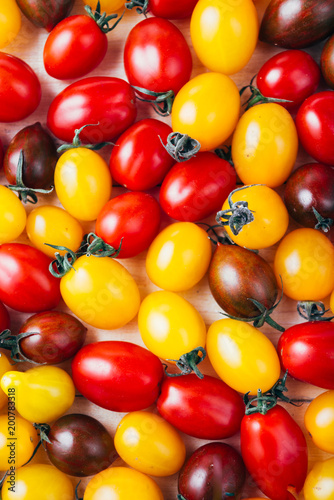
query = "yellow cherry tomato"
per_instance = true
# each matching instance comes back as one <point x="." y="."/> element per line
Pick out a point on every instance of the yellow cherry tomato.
<point x="169" y="325"/>
<point x="108" y="6"/>
<point x="120" y="483"/>
<point x="319" y="484"/>
<point x="224" y="33"/>
<point x="12" y="214"/>
<point x="271" y="218"/>
<point x="319" y="421"/>
<point x="83" y="183"/>
<point x="37" y="482"/>
<point x="18" y="439"/>
<point x="42" y="394"/>
<point x="5" y="366"/>
<point x="101" y="292"/>
<point x="149" y="444"/>
<point x="242" y="356"/>
<point x="10" y="21"/>
<point x="207" y="109"/>
<point x="179" y="257"/>
<point x="305" y="261"/>
<point x="49" y="224"/>
<point x="265" y="145"/>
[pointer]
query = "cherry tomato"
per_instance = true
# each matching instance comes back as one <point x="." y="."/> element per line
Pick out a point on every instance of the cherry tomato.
<point x="106" y="102"/>
<point x="83" y="183"/>
<point x="319" y="484"/>
<point x="305" y="262"/>
<point x="207" y="109"/>
<point x="319" y="421"/>
<point x="224" y="34"/>
<point x="292" y="74"/>
<point x="265" y="145"/>
<point x="119" y="376"/>
<point x="12" y="216"/>
<point x="196" y="188"/>
<point x="45" y="15"/>
<point x="108" y="6"/>
<point x="178" y="257"/>
<point x="242" y="356"/>
<point x="26" y="284"/>
<point x="327" y="62"/>
<point x="169" y="325"/>
<point x="20" y="90"/>
<point x="315" y="126"/>
<point x="18" y="439"/>
<point x="149" y="444"/>
<point x="5" y="366"/>
<point x="205" y="409"/>
<point x="133" y="218"/>
<point x="172" y="9"/>
<point x="157" y="56"/>
<point x="55" y="226"/>
<point x="139" y="161"/>
<point x="4" y="318"/>
<point x="10" y="22"/>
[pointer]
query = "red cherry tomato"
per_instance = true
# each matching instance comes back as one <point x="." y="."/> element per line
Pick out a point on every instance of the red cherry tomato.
<point x="135" y="217"/>
<point x="118" y="376"/>
<point x="292" y="75"/>
<point x="172" y="9"/>
<point x="20" y="90"/>
<point x="315" y="126"/>
<point x="139" y="161"/>
<point x="106" y="101"/>
<point x="26" y="284"/>
<point x="4" y="318"/>
<point x="196" y="188"/>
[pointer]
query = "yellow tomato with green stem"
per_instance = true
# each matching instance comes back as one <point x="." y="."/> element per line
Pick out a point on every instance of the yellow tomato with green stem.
<point x="18" y="438"/>
<point x="319" y="484"/>
<point x="12" y="216"/>
<point x="319" y="421"/>
<point x="10" y="21"/>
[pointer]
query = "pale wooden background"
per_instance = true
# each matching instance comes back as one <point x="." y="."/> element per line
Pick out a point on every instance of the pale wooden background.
<point x="29" y="46"/>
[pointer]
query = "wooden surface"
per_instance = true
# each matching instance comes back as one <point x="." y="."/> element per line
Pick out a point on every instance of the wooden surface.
<point x="29" y="46"/>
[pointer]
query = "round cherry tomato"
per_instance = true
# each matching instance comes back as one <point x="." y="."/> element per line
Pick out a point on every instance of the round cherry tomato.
<point x="108" y="103"/>
<point x="169" y="325"/>
<point x="108" y="6"/>
<point x="319" y="484"/>
<point x="139" y="161"/>
<point x="179" y="257"/>
<point x="207" y="109"/>
<point x="205" y="409"/>
<point x="18" y="438"/>
<point x="53" y="225"/>
<point x="83" y="183"/>
<point x="12" y="216"/>
<point x="319" y="421"/>
<point x="119" y="376"/>
<point x="315" y="126"/>
<point x="123" y="484"/>
<point x="5" y="366"/>
<point x="131" y="218"/>
<point x="157" y="56"/>
<point x="196" y="188"/>
<point x="172" y="9"/>
<point x="305" y="262"/>
<point x="4" y="318"/>
<point x="10" y="22"/>
<point x="292" y="74"/>
<point x="149" y="444"/>
<point x="265" y="145"/>
<point x="224" y="34"/>
<point x="26" y="284"/>
<point x="242" y="356"/>
<point x="20" y="90"/>
<point x="45" y="15"/>
<point x="327" y="62"/>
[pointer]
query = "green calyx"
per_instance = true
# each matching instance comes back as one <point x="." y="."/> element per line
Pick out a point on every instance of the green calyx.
<point x="258" y="98"/>
<point x="181" y="147"/>
<point x="12" y="344"/>
<point x="225" y="153"/>
<point x="162" y="103"/>
<point x="313" y="311"/>
<point x="188" y="363"/>
<point x="93" y="245"/>
<point x="102" y="20"/>
<point x="78" y="144"/>
<point x="141" y="6"/>
<point x="323" y="224"/>
<point x="44" y="430"/>
<point x="262" y="403"/>
<point x="62" y="264"/>
<point x="76" y="492"/>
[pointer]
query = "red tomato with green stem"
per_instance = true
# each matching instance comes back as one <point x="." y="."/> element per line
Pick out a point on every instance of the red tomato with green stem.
<point x="4" y="318"/>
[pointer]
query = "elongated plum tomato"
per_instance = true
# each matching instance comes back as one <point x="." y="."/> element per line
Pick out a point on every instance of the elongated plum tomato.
<point x="119" y="376"/>
<point x="12" y="216"/>
<point x="265" y="145"/>
<point x="45" y="15"/>
<point x="242" y="356"/>
<point x="24" y="434"/>
<point x="10" y="22"/>
<point x="178" y="257"/>
<point x="195" y="189"/>
<point x="319" y="484"/>
<point x="319" y="421"/>
<point x="305" y="262"/>
<point x="207" y="109"/>
<point x="224" y="34"/>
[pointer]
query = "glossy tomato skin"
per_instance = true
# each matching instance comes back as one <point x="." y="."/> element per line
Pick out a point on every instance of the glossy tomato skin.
<point x="194" y="189"/>
<point x="10" y="22"/>
<point x="12" y="216"/>
<point x="4" y="318"/>
<point x="172" y="9"/>
<point x="74" y="48"/>
<point x="157" y="56"/>
<point x="315" y="126"/>
<point x="215" y="470"/>
<point x="327" y="62"/>
<point x="25" y="436"/>
<point x="132" y="218"/>
<point x="45" y="13"/>
<point x="307" y="351"/>
<point x="274" y="450"/>
<point x="26" y="284"/>
<point x="205" y="409"/>
<point x="292" y="74"/>
<point x="319" y="484"/>
<point x="118" y="376"/>
<point x="139" y="161"/>
<point x="105" y="100"/>
<point x="20" y="89"/>
<point x="80" y="445"/>
<point x="319" y="421"/>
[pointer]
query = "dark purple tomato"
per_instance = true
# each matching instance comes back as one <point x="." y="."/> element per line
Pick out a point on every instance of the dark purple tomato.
<point x="45" y="13"/>
<point x="172" y="9"/>
<point x="4" y="318"/>
<point x="80" y="445"/>
<point x="213" y="471"/>
<point x="327" y="62"/>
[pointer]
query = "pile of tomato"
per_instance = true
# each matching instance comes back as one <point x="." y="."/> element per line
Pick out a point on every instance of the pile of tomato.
<point x="203" y="194"/>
